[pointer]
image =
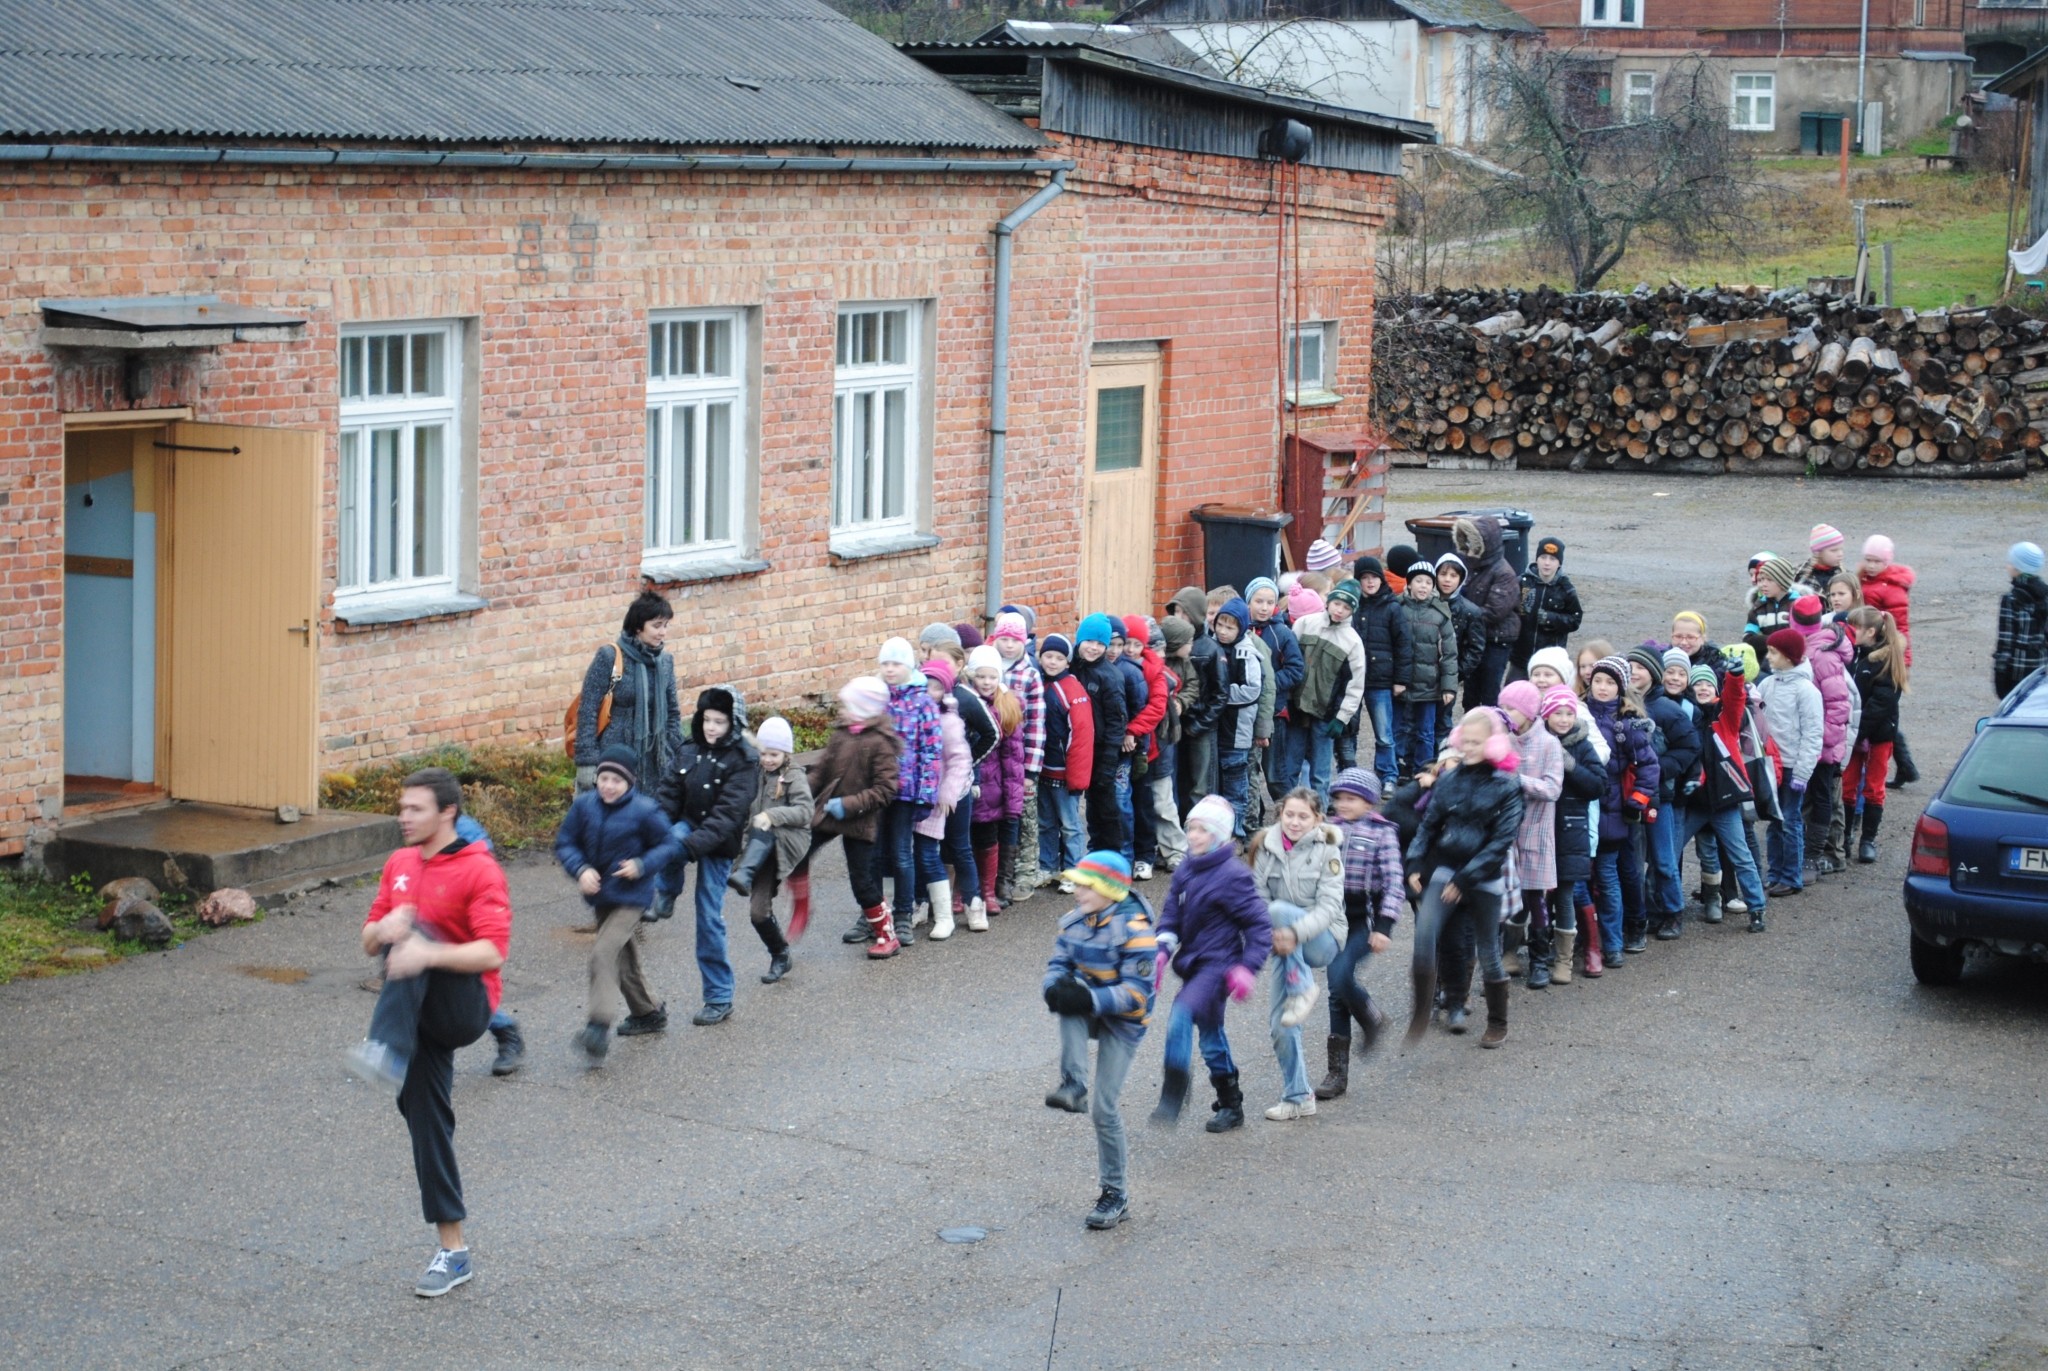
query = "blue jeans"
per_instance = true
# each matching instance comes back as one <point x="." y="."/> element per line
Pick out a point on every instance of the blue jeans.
<point x="1059" y="826"/>
<point x="1726" y="828"/>
<point x="1606" y="890"/>
<point x="1322" y="751"/>
<point x="899" y="855"/>
<point x="1293" y="741"/>
<point x="1379" y="709"/>
<point x="1667" y="850"/>
<point x="1347" y="749"/>
<point x="1293" y="975"/>
<point x="1235" y="765"/>
<point x="1113" y="1057"/>
<point x="1348" y="997"/>
<point x="958" y="848"/>
<point x="712" y="966"/>
<point x="1180" y="1036"/>
<point x="1415" y="733"/>
<point x="1788" y="840"/>
<point x="1123" y="807"/>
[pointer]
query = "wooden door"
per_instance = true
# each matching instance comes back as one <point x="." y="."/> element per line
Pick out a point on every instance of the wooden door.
<point x="1123" y="478"/>
<point x="243" y="599"/>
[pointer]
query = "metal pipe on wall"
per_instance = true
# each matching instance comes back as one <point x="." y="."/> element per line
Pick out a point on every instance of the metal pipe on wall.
<point x="999" y="380"/>
<point x="1862" y="57"/>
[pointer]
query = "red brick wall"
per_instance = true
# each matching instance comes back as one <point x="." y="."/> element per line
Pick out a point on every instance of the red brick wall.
<point x="1145" y="246"/>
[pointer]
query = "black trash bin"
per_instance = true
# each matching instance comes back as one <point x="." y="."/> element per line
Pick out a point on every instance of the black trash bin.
<point x="1433" y="534"/>
<point x="1240" y="543"/>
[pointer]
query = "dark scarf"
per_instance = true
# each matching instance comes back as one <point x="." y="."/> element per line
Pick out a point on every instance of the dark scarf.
<point x="650" y="704"/>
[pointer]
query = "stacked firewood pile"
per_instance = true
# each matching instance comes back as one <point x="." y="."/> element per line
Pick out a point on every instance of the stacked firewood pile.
<point x="1708" y="380"/>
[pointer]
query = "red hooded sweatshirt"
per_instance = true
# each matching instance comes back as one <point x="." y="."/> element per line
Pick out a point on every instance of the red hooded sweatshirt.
<point x="459" y="895"/>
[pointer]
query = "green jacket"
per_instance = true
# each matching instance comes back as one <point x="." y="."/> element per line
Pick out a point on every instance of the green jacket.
<point x="1433" y="644"/>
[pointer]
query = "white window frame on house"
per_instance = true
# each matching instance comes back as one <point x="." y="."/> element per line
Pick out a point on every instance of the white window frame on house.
<point x="1611" y="14"/>
<point x="1319" y="390"/>
<point x="878" y="420"/>
<point x="1433" y="72"/>
<point x="390" y="407"/>
<point x="697" y="474"/>
<point x="1638" y="85"/>
<point x="1752" y="96"/>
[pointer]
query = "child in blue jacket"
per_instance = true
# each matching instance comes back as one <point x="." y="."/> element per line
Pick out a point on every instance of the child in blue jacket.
<point x="1100" y="983"/>
<point x="612" y="842"/>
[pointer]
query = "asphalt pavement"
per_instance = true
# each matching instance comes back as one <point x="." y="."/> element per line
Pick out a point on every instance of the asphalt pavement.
<point x="1735" y="1151"/>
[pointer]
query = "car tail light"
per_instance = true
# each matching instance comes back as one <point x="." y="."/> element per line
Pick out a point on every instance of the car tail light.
<point x="1930" y="847"/>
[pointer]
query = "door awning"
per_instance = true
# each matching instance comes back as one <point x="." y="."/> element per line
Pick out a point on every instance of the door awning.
<point x="161" y="321"/>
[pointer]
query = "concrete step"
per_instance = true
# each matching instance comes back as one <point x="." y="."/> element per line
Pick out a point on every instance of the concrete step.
<point x="212" y="847"/>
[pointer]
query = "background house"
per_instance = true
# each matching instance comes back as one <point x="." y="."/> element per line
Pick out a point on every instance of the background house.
<point x="344" y="405"/>
<point x="1781" y="57"/>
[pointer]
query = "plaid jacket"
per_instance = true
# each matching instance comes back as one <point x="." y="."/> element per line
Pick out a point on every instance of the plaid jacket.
<point x="1372" y="868"/>
<point x="1115" y="952"/>
<point x="2022" y="633"/>
<point x="1542" y="777"/>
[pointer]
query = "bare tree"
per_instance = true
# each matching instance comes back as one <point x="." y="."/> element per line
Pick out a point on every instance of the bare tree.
<point x="1589" y="177"/>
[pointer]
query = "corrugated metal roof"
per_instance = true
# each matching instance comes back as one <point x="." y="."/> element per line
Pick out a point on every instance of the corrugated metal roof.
<point x="1468" y="14"/>
<point x="688" y="73"/>
<point x="1459" y="14"/>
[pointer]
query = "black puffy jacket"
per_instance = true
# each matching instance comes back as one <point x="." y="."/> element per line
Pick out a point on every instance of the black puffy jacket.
<point x="1469" y="825"/>
<point x="1492" y="584"/>
<point x="1880" y="699"/>
<point x="1383" y="627"/>
<point x="1471" y="626"/>
<point x="1104" y="682"/>
<point x="713" y="784"/>
<point x="1678" y="764"/>
<point x="1585" y="781"/>
<point x="1550" y="612"/>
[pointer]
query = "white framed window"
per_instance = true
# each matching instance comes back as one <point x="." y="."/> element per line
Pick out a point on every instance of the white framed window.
<point x="1433" y="73"/>
<point x="1611" y="14"/>
<point x="1755" y="101"/>
<point x="876" y="416"/>
<point x="1312" y="364"/>
<point x="1638" y="95"/>
<point x="400" y="493"/>
<point x="696" y="427"/>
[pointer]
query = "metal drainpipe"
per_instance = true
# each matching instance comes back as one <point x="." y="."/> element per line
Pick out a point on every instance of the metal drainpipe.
<point x="999" y="382"/>
<point x="1862" y="55"/>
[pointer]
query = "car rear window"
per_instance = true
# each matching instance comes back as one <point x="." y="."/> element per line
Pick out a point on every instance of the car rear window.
<point x="2004" y="767"/>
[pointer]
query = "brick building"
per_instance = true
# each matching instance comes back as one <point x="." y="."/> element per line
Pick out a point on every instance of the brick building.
<point x="1779" y="58"/>
<point x="343" y="406"/>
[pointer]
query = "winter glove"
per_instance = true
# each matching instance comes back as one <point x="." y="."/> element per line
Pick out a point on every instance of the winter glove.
<point x="1334" y="728"/>
<point x="1069" y="996"/>
<point x="1240" y="980"/>
<point x="1164" y="960"/>
<point x="1798" y="787"/>
<point x="836" y="807"/>
<point x="586" y="778"/>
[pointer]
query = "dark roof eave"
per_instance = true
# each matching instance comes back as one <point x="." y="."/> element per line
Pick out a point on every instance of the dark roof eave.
<point x="2016" y="79"/>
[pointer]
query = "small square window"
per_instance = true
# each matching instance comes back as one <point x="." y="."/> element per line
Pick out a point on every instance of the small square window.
<point x="1120" y="428"/>
<point x="1754" y="106"/>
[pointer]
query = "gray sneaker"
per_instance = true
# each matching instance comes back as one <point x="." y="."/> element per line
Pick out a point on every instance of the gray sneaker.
<point x="446" y="1271"/>
<point x="376" y="1064"/>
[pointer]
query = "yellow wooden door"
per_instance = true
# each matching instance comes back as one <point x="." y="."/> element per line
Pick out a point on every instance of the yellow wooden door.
<point x="1123" y="474"/>
<point x="243" y="594"/>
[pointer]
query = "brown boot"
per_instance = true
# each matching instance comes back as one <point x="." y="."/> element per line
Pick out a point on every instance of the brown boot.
<point x="1496" y="1014"/>
<point x="1561" y="963"/>
<point x="1333" y="1085"/>
<point x="1425" y="1000"/>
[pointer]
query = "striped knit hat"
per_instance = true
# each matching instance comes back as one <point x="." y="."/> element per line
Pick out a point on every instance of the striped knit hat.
<point x="1321" y="556"/>
<point x="1214" y="813"/>
<point x="1356" y="780"/>
<point x="1781" y="571"/>
<point x="1559" y="697"/>
<point x="1701" y="673"/>
<point x="1824" y="536"/>
<point x="1677" y="656"/>
<point x="1105" y="873"/>
<point x="1615" y="666"/>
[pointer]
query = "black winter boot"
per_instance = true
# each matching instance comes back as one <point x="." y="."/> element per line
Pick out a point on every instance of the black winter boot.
<point x="1710" y="902"/>
<point x="760" y="847"/>
<point x="1426" y="993"/>
<point x="1228" y="1111"/>
<point x="1173" y="1095"/>
<point x="1339" y="1077"/>
<point x="1540" y="952"/>
<point x="1456" y="992"/>
<point x="1905" y="773"/>
<point x="778" y="950"/>
<point x="511" y="1050"/>
<point x="1873" y="815"/>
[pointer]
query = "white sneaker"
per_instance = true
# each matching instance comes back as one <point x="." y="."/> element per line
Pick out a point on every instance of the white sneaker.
<point x="1738" y="905"/>
<point x="1142" y="871"/>
<point x="1295" y="1008"/>
<point x="1288" y="1110"/>
<point x="977" y="916"/>
<point x="920" y="914"/>
<point x="1066" y="887"/>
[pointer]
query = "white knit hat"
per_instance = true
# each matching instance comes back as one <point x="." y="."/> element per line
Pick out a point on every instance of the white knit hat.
<point x="984" y="658"/>
<point x="1214" y="813"/>
<point x="899" y="651"/>
<point x="774" y="735"/>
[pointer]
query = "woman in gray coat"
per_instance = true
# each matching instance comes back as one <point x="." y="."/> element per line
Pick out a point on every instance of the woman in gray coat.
<point x="644" y="716"/>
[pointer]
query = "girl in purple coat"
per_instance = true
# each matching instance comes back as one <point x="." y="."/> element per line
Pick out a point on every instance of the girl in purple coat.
<point x="915" y="716"/>
<point x="1831" y="652"/>
<point x="999" y="778"/>
<point x="1214" y="930"/>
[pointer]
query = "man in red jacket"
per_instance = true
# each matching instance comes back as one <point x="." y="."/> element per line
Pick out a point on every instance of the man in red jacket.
<point x="442" y="923"/>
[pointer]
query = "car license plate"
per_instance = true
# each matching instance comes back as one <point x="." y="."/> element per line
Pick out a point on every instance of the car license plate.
<point x="2027" y="861"/>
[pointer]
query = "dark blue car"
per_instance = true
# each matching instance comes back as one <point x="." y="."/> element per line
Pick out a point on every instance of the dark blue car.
<point x="1979" y="871"/>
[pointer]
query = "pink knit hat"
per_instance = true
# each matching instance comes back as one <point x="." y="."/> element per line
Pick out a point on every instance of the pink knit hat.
<point x="1521" y="697"/>
<point x="865" y="697"/>
<point x="1010" y="626"/>
<point x="1302" y="602"/>
<point x="1824" y="536"/>
<point x="942" y="670"/>
<point x="1878" y="548"/>
<point x="1558" y="698"/>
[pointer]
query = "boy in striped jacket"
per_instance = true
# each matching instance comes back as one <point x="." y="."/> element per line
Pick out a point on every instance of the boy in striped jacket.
<point x="1100" y="982"/>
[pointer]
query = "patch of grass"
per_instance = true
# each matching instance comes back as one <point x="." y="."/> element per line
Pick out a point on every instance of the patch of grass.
<point x="1934" y="142"/>
<point x="39" y="933"/>
<point x="518" y="794"/>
